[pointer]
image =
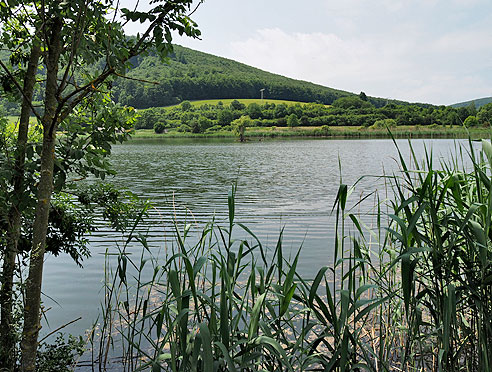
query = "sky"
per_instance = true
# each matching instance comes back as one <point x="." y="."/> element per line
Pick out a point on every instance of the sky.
<point x="433" y="51"/>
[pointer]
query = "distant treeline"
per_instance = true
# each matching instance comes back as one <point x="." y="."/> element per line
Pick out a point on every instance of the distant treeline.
<point x="345" y="111"/>
<point x="192" y="75"/>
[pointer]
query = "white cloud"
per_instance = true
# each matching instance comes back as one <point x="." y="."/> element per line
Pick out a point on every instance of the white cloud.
<point x="415" y="68"/>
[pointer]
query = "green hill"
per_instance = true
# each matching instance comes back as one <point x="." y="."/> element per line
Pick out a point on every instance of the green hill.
<point x="192" y="75"/>
<point x="245" y="101"/>
<point x="478" y="102"/>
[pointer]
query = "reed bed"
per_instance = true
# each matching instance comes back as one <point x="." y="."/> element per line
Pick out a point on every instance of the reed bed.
<point x="412" y="292"/>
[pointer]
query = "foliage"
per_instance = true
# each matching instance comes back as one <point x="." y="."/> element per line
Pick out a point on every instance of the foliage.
<point x="471" y="121"/>
<point x="222" y="302"/>
<point x="65" y="56"/>
<point x="193" y="75"/>
<point x="292" y="120"/>
<point x="240" y="126"/>
<point x="225" y="117"/>
<point x="159" y="128"/>
<point x="352" y="102"/>
<point x="201" y="116"/>
<point x="440" y="226"/>
<point x="476" y="102"/>
<point x="411" y="294"/>
<point x="384" y="123"/>
<point x="61" y="355"/>
<point x="484" y="116"/>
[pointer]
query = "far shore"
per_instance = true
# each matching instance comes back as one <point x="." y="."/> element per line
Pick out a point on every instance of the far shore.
<point x="331" y="132"/>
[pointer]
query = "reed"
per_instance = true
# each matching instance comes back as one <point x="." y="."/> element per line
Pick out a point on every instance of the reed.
<point x="409" y="292"/>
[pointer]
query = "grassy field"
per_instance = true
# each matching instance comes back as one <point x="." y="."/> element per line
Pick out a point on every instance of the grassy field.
<point x="15" y="119"/>
<point x="341" y="131"/>
<point x="245" y="101"/>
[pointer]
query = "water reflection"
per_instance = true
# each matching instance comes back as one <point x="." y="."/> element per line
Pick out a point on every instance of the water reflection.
<point x="281" y="183"/>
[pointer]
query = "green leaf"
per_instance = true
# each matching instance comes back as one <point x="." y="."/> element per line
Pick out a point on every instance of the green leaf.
<point x="208" y="360"/>
<point x="255" y="317"/>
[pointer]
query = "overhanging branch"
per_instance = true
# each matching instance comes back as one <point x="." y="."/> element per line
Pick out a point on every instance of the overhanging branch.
<point x="19" y="88"/>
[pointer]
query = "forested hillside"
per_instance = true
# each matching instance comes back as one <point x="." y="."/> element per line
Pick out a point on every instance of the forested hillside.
<point x="479" y="102"/>
<point x="192" y="75"/>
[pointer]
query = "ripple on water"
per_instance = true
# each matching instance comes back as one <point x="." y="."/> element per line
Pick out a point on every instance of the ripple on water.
<point x="281" y="184"/>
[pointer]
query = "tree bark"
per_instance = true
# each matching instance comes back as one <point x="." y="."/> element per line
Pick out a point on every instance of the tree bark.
<point x="7" y="336"/>
<point x="50" y="123"/>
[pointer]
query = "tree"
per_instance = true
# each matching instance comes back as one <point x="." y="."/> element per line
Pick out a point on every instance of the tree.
<point x="238" y="106"/>
<point x="304" y="120"/>
<point x="240" y="125"/>
<point x="159" y="127"/>
<point x="363" y="96"/>
<point x="82" y="48"/>
<point x="254" y="110"/>
<point x="280" y="110"/>
<point x="351" y="102"/>
<point x="292" y="120"/>
<point x="471" y="121"/>
<point x="185" y="105"/>
<point x="225" y="117"/>
<point x="484" y="116"/>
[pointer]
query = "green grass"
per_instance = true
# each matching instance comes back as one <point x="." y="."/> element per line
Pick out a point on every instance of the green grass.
<point x="246" y="101"/>
<point x="337" y="132"/>
<point x="15" y="119"/>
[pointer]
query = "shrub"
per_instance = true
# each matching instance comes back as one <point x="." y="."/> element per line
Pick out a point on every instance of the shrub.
<point x="292" y="120"/>
<point x="471" y="121"/>
<point x="159" y="127"/>
<point x="183" y="128"/>
<point x="61" y="355"/>
<point x="390" y="123"/>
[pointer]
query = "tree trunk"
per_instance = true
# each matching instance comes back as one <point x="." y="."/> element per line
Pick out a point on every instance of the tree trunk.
<point x="7" y="336"/>
<point x="50" y="123"/>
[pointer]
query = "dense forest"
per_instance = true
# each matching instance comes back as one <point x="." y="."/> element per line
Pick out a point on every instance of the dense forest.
<point x="476" y="102"/>
<point x="191" y="75"/>
<point x="345" y="111"/>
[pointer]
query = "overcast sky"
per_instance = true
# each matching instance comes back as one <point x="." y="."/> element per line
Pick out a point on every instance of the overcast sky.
<point x="436" y="51"/>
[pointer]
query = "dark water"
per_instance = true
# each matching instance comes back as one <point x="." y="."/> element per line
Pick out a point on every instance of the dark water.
<point x="289" y="184"/>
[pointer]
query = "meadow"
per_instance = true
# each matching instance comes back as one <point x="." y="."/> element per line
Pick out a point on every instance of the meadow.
<point x="407" y="131"/>
<point x="245" y="101"/>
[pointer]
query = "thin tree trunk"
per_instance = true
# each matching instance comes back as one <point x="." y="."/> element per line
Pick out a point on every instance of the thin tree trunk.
<point x="50" y="123"/>
<point x="7" y="336"/>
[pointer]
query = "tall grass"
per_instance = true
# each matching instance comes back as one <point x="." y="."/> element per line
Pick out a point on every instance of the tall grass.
<point x="411" y="292"/>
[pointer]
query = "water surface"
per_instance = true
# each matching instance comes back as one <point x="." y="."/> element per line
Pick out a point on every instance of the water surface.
<point x="289" y="184"/>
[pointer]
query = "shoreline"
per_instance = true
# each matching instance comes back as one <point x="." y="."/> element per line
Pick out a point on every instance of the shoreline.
<point x="332" y="132"/>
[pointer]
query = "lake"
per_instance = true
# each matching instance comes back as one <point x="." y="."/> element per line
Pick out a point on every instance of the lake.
<point x="280" y="183"/>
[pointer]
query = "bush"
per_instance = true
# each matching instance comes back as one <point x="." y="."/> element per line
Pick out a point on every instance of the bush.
<point x="183" y="128"/>
<point x="292" y="120"/>
<point x="159" y="128"/>
<point x="471" y="121"/>
<point x="213" y="129"/>
<point x="61" y="355"/>
<point x="390" y="123"/>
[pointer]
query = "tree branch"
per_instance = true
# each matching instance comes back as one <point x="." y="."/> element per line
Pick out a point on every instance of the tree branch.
<point x="19" y="88"/>
<point x="136" y="79"/>
<point x="78" y="29"/>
